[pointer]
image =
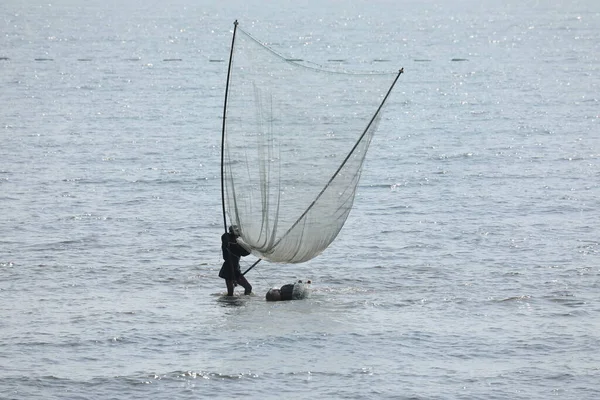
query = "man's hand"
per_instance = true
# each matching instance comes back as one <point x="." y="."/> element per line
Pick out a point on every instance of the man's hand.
<point x="243" y="244"/>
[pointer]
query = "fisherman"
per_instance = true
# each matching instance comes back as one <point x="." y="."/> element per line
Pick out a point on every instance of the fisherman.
<point x="232" y="251"/>
<point x="292" y="291"/>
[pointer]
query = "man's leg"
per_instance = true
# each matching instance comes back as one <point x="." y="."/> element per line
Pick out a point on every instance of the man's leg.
<point x="245" y="284"/>
<point x="229" y="287"/>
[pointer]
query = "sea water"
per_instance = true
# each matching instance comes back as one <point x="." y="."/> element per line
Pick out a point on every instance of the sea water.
<point x="468" y="268"/>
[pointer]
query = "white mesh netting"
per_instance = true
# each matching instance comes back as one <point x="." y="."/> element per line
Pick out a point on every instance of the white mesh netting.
<point x="295" y="138"/>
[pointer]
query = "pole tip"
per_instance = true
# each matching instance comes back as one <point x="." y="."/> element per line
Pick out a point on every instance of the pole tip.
<point x="401" y="70"/>
<point x="235" y="22"/>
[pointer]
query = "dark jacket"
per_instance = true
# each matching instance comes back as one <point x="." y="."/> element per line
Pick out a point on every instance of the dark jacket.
<point x="232" y="252"/>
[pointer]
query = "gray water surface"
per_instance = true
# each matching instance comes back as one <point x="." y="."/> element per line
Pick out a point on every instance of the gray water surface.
<point x="469" y="267"/>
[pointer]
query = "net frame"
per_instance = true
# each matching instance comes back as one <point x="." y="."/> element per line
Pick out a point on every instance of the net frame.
<point x="263" y="242"/>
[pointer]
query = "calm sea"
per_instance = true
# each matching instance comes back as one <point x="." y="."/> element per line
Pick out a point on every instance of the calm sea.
<point x="468" y="269"/>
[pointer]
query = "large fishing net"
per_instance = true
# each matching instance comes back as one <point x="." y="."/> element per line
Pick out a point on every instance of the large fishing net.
<point x="295" y="138"/>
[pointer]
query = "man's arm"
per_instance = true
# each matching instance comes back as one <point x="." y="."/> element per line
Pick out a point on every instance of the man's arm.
<point x="238" y="248"/>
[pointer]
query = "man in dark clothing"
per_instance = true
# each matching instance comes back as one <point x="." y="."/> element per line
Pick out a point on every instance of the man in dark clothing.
<point x="292" y="291"/>
<point x="230" y="271"/>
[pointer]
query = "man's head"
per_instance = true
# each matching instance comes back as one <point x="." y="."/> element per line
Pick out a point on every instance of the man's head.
<point x="234" y="230"/>
<point x="273" y="295"/>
